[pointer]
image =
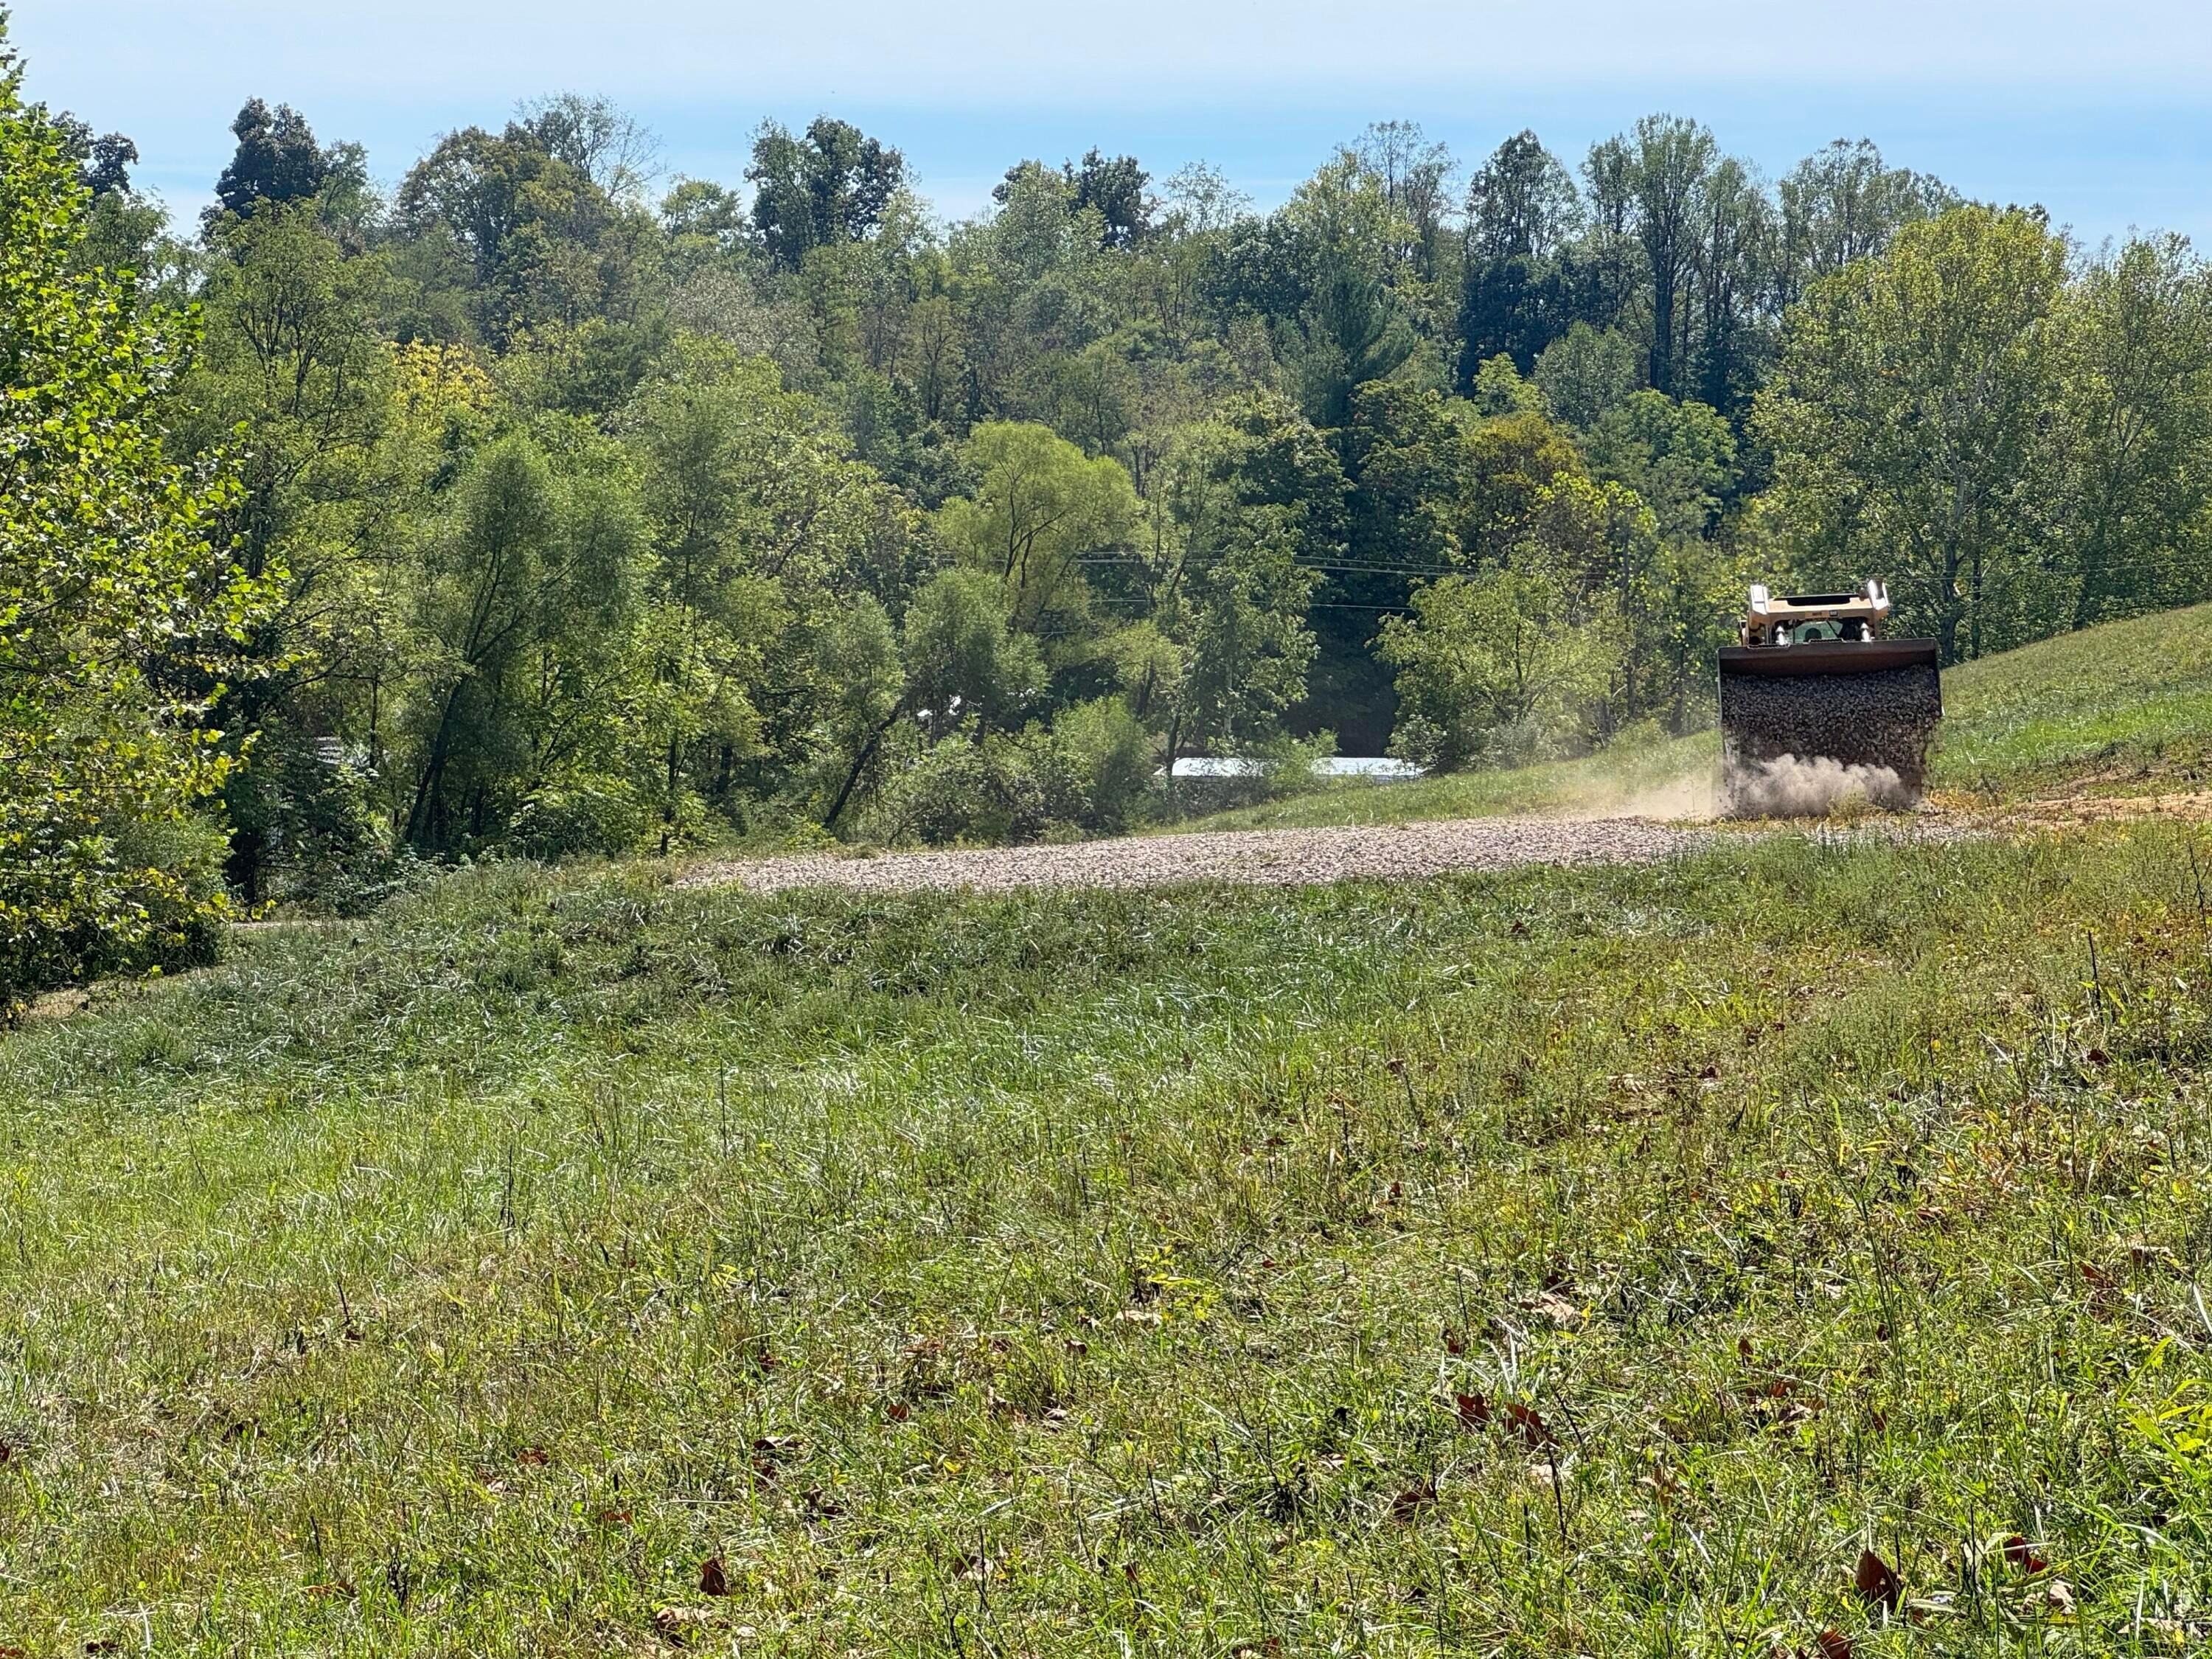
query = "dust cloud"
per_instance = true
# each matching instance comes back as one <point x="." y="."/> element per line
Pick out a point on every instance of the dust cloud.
<point x="1788" y="787"/>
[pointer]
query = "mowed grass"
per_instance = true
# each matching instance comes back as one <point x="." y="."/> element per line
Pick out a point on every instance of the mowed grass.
<point x="1592" y="1262"/>
<point x="2120" y="708"/>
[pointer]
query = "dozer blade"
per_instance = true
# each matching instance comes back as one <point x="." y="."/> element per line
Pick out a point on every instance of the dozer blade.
<point x="1872" y="704"/>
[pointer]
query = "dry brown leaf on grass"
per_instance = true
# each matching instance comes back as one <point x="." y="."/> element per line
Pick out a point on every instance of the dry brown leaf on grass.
<point x="1474" y="1410"/>
<point x="1877" y="1582"/>
<point x="2055" y="1598"/>
<point x="1411" y="1502"/>
<point x="675" y="1624"/>
<point x="1831" y="1644"/>
<point x="714" y="1577"/>
<point x="2019" y="1554"/>
<point x="1530" y="1426"/>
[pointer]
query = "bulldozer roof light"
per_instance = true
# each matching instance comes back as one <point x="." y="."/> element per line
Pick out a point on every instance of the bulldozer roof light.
<point x="1759" y="599"/>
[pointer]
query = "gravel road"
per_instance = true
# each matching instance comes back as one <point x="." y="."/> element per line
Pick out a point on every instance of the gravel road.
<point x="1264" y="857"/>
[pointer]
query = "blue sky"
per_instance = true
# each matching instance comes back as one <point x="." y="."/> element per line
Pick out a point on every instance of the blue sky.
<point x="2098" y="110"/>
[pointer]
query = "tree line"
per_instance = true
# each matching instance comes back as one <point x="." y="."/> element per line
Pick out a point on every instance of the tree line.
<point x="543" y="505"/>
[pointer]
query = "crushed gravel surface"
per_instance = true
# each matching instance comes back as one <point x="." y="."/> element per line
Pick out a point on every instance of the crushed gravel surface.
<point x="1265" y="858"/>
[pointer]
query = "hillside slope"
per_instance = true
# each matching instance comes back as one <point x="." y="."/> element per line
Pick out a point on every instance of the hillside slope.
<point x="561" y="1263"/>
<point x="2110" y="707"/>
<point x="2117" y="708"/>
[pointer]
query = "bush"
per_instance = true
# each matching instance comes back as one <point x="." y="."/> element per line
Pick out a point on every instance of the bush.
<point x="302" y="831"/>
<point x="1087" y="773"/>
<point x="157" y="901"/>
<point x="577" y="820"/>
<point x="1100" y="759"/>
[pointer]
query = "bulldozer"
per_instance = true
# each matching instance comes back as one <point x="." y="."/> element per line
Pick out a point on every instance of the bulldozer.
<point x="1816" y="685"/>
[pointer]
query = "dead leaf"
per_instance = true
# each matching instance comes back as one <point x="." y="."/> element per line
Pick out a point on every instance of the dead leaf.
<point x="714" y="1577"/>
<point x="1531" y="1427"/>
<point x="2019" y="1554"/>
<point x="1412" y="1501"/>
<point x="1876" y="1582"/>
<point x="1474" y="1409"/>
<point x="533" y="1454"/>
<point x="2099" y="1058"/>
<point x="1831" y="1644"/>
<point x="2057" y="1599"/>
<point x="675" y="1624"/>
<point x="898" y="1411"/>
<point x="1554" y="1307"/>
<point x="612" y="1517"/>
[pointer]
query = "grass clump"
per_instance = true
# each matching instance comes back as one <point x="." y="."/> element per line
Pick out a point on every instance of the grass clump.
<point x="1593" y="1262"/>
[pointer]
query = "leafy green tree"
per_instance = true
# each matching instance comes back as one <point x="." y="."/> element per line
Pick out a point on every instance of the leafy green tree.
<point x="1410" y="171"/>
<point x="1679" y="457"/>
<point x="1512" y="462"/>
<point x="537" y="245"/>
<point x="292" y="355"/>
<point x="2138" y="396"/>
<point x="965" y="659"/>
<point x="1498" y="388"/>
<point x="1843" y="204"/>
<point x="277" y="161"/>
<point x="1041" y="508"/>
<point x="1241" y="622"/>
<point x="1913" y="421"/>
<point x="593" y="136"/>
<point x="1509" y="664"/>
<point x="1114" y="188"/>
<point x="529" y="573"/>
<point x="762" y="531"/>
<point x="1654" y="184"/>
<point x="1354" y="335"/>
<point x="119" y="610"/>
<point x="1587" y="371"/>
<point x="833" y="184"/>
<point x="1523" y="214"/>
<point x="865" y="683"/>
<point x="1738" y="250"/>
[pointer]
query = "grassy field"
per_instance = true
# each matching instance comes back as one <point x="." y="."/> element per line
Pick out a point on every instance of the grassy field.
<point x="2116" y="709"/>
<point x="1594" y="1262"/>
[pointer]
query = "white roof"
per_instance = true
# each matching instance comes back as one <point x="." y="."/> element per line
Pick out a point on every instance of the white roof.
<point x="1380" y="767"/>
